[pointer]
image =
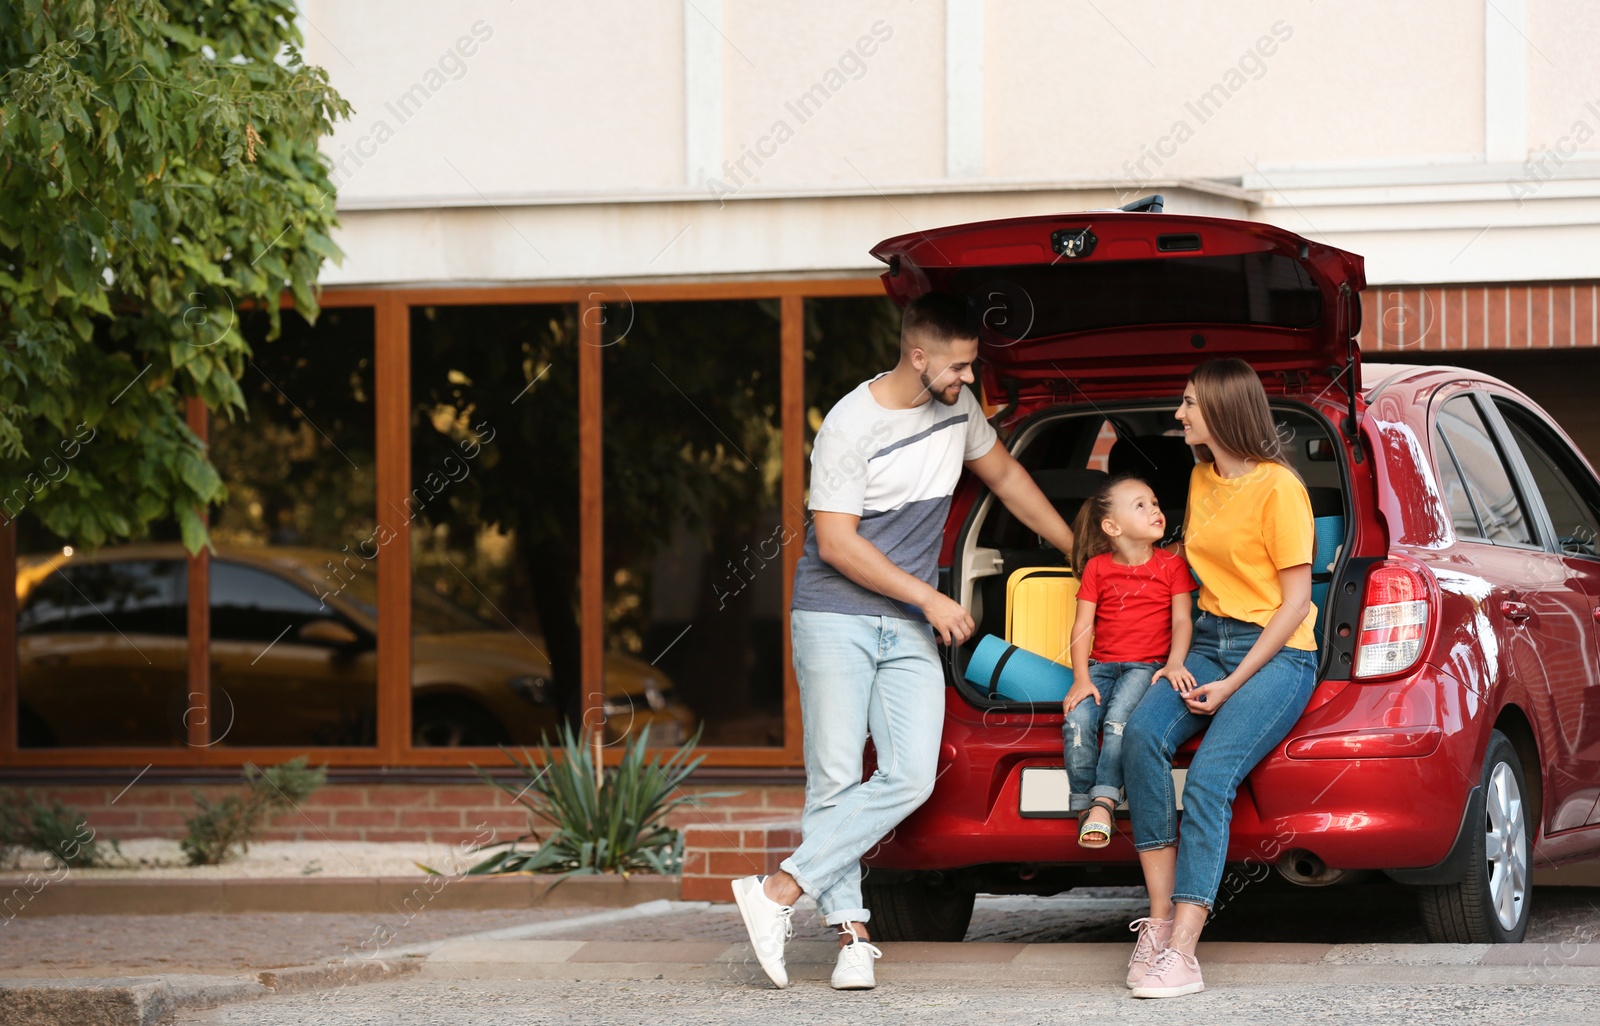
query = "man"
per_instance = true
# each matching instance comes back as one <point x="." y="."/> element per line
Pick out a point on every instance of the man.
<point x="866" y="614"/>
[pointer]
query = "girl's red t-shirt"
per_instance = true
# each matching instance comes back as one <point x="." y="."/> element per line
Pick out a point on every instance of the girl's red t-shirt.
<point x="1133" y="605"/>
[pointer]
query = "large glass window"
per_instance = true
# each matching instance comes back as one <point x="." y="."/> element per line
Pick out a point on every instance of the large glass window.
<point x="1499" y="508"/>
<point x="694" y="531"/>
<point x="293" y="658"/>
<point x="101" y="647"/>
<point x="496" y="647"/>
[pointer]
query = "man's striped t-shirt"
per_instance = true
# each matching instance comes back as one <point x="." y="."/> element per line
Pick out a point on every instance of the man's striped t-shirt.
<point x="896" y="470"/>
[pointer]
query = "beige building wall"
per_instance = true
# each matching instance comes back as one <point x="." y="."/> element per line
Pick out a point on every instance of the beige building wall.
<point x="1445" y="140"/>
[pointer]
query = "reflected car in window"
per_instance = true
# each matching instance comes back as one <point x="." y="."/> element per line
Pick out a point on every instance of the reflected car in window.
<point x="103" y="658"/>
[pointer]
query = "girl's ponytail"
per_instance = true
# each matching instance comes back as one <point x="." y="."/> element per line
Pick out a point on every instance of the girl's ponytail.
<point x="1088" y="538"/>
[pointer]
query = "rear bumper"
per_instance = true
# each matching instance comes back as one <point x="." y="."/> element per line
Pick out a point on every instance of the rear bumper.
<point x="1387" y="814"/>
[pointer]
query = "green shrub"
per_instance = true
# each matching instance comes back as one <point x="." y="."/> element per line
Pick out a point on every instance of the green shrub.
<point x="221" y="827"/>
<point x="618" y="828"/>
<point x="28" y="823"/>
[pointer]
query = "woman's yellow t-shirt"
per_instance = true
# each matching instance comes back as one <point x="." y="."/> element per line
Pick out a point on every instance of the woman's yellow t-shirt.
<point x="1239" y="532"/>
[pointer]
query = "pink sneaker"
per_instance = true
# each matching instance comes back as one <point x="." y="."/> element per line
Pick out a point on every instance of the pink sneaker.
<point x="1173" y="974"/>
<point x="1154" y="935"/>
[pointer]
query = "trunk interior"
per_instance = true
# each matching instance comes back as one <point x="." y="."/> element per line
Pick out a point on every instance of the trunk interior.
<point x="1071" y="450"/>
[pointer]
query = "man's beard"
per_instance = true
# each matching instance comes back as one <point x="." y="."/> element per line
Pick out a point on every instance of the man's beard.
<point x="927" y="386"/>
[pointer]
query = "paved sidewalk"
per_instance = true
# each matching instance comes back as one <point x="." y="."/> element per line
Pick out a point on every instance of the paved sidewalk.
<point x="54" y="946"/>
<point x="1268" y="950"/>
<point x="943" y="985"/>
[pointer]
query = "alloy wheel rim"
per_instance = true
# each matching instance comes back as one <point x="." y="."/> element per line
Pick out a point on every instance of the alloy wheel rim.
<point x="1506" y="847"/>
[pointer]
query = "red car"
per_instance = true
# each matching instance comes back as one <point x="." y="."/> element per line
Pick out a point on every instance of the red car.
<point x="1453" y="740"/>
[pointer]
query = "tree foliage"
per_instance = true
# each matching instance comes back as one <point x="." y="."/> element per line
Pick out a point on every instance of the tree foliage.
<point x="158" y="171"/>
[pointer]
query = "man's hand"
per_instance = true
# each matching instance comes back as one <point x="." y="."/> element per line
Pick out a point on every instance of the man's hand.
<point x="950" y="619"/>
<point x="1080" y="690"/>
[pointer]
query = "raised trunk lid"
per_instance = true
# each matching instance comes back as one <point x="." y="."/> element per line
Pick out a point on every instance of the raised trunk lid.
<point x="1108" y="304"/>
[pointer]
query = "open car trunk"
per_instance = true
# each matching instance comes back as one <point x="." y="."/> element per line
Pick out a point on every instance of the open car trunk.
<point x="1071" y="449"/>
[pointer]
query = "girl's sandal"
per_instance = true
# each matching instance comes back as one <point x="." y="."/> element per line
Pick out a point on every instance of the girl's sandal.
<point x="1095" y="835"/>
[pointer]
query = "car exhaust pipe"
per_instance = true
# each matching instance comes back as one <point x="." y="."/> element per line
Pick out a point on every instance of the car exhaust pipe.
<point x="1301" y="867"/>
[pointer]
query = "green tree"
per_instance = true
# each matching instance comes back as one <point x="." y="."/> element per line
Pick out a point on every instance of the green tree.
<point x="158" y="171"/>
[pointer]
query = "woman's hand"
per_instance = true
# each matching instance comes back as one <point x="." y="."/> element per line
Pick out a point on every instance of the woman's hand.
<point x="1080" y="690"/>
<point x="1177" y="675"/>
<point x="1208" y="698"/>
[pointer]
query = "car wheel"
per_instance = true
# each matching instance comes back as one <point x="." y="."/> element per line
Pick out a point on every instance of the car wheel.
<point x="453" y="724"/>
<point x="917" y="907"/>
<point x="1492" y="904"/>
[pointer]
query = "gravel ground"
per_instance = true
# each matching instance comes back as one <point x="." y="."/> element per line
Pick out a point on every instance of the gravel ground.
<point x="156" y="859"/>
<point x="1004" y="1002"/>
<point x="130" y="945"/>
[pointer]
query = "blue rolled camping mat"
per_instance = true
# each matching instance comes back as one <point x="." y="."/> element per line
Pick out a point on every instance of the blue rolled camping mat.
<point x="1001" y="670"/>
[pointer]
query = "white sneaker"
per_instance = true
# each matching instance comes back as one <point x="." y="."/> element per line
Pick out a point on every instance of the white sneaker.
<point x="768" y="924"/>
<point x="854" y="971"/>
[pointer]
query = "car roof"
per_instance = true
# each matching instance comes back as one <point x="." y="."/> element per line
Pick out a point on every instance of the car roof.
<point x="297" y="561"/>
<point x="1376" y="377"/>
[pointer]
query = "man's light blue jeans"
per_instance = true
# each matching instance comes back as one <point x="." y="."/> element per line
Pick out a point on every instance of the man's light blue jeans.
<point x="1251" y="723"/>
<point x="861" y="674"/>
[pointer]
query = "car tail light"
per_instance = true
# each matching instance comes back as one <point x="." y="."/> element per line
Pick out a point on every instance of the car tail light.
<point x="1394" y="622"/>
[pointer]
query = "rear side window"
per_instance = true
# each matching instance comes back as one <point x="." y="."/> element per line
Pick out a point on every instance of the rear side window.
<point x="1494" y="499"/>
<point x="133" y="596"/>
<point x="248" y="604"/>
<point x="1462" y="518"/>
<point x="1561" y="480"/>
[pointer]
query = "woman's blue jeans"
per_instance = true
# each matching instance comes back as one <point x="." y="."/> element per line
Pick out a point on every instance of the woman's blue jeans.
<point x="1250" y="724"/>
<point x="1095" y="770"/>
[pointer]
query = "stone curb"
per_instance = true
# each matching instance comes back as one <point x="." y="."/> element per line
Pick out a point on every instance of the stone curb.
<point x="147" y="1000"/>
<point x="126" y="1001"/>
<point x="121" y="896"/>
<point x="335" y="974"/>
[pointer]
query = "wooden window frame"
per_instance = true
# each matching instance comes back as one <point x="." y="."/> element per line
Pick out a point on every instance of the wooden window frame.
<point x="392" y="372"/>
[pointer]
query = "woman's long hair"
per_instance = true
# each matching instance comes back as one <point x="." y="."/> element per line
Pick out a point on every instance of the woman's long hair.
<point x="1089" y="539"/>
<point x="1234" y="407"/>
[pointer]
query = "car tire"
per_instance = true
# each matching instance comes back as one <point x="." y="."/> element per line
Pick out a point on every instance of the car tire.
<point x="1492" y="904"/>
<point x="917" y="907"/>
<point x="453" y="724"/>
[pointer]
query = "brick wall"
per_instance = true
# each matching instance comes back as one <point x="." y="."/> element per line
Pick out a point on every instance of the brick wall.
<point x="1400" y="316"/>
<point x="717" y="853"/>
<point x="438" y="813"/>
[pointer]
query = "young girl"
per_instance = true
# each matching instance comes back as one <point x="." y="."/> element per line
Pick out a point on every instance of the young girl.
<point x="1132" y="629"/>
<point x="1248" y="533"/>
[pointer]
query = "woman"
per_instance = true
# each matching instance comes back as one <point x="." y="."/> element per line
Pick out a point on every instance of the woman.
<point x="1248" y="535"/>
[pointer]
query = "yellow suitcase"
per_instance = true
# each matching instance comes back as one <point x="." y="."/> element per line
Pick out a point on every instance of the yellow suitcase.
<point x="1040" y="604"/>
